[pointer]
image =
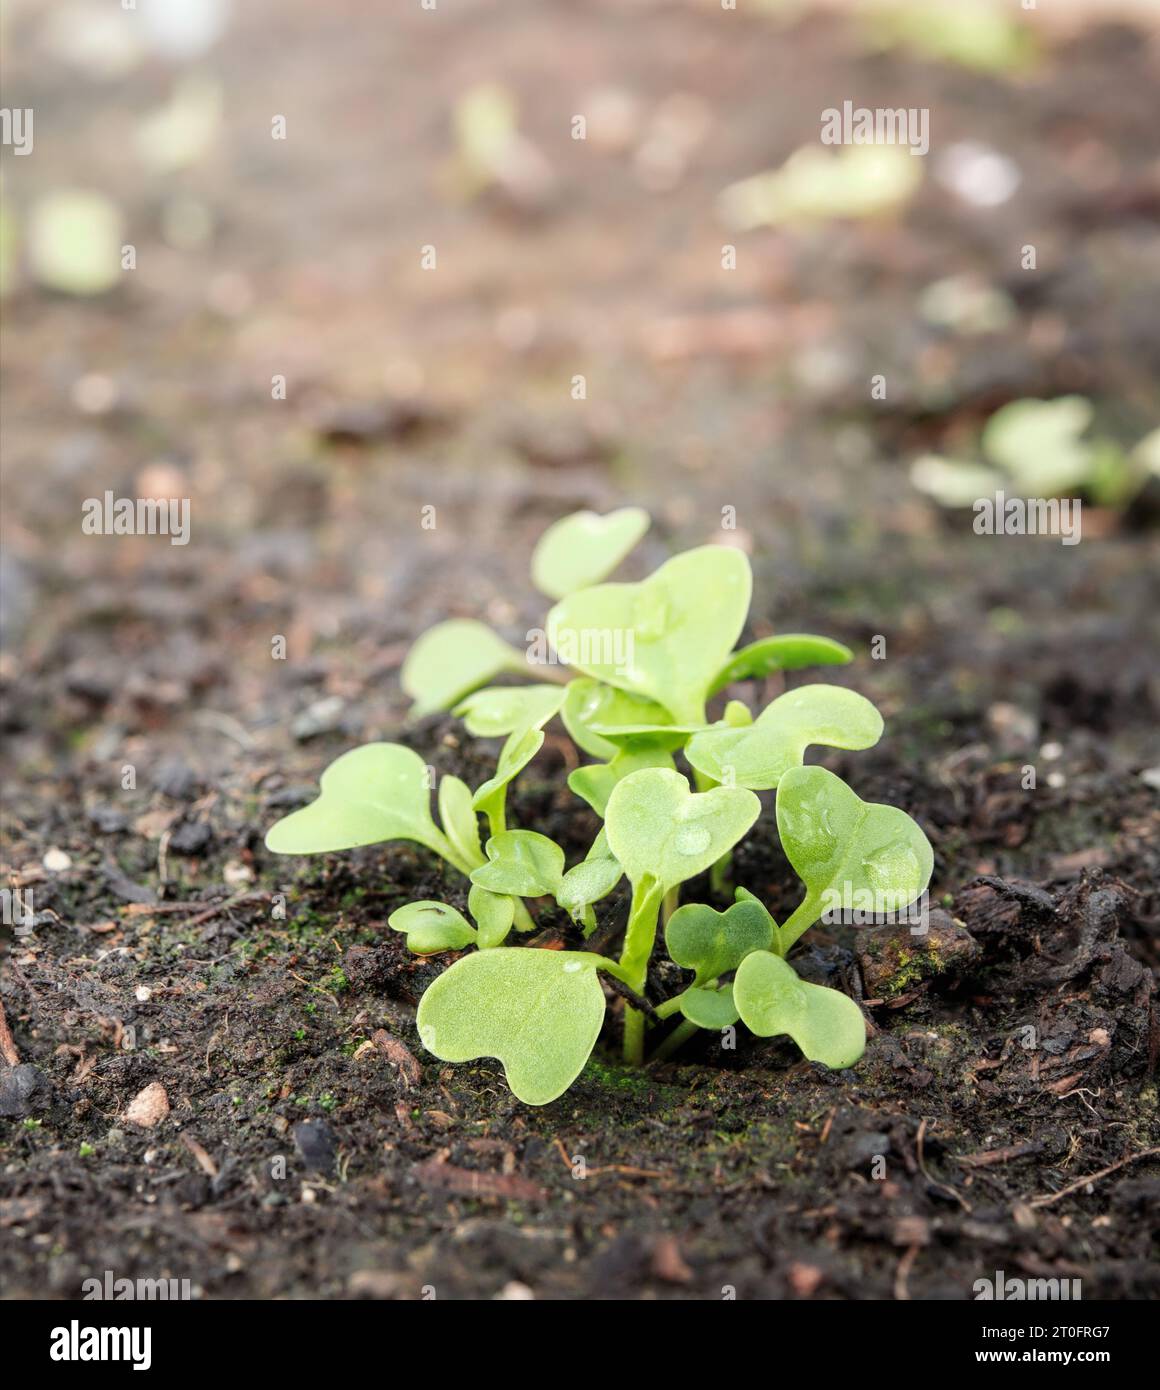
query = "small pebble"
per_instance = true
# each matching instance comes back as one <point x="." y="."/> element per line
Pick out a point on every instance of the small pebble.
<point x="148" y="1107"/>
<point x="56" y="861"/>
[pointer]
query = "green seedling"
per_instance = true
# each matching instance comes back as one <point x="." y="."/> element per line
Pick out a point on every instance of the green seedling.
<point x="1041" y="449"/>
<point x="646" y="660"/>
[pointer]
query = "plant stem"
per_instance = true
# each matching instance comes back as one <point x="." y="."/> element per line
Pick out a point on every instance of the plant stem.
<point x="524" y="921"/>
<point x="671" y="903"/>
<point x="639" y="936"/>
<point x="720" y="875"/>
<point x="677" y="1038"/>
<point x="633" y="1037"/>
<point x="800" y="920"/>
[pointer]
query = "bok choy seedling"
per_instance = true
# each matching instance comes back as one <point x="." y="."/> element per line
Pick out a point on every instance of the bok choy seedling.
<point x="630" y="670"/>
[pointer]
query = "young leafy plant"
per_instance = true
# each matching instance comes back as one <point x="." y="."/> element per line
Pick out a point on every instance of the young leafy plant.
<point x="1041" y="449"/>
<point x="630" y="670"/>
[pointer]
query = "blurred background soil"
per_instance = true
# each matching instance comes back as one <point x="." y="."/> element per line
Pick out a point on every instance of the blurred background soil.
<point x="707" y="389"/>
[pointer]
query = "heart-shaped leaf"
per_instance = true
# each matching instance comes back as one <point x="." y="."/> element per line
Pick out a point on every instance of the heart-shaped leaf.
<point x="588" y="702"/>
<point x="1039" y="443"/>
<point x="539" y="1012"/>
<point x="842" y="848"/>
<point x="713" y="943"/>
<point x="504" y="709"/>
<point x="665" y="638"/>
<point x="374" y="793"/>
<point x="710" y="1008"/>
<point x="595" y="782"/>
<point x="458" y="817"/>
<point x="453" y="658"/>
<point x="953" y="482"/>
<point x="515" y="755"/>
<point x="771" y="999"/>
<point x="522" y="863"/>
<point x="789" y="651"/>
<point x="589" y="881"/>
<point x="759" y="755"/>
<point x="432" y="926"/>
<point x="493" y="913"/>
<point x="657" y="827"/>
<point x="584" y="548"/>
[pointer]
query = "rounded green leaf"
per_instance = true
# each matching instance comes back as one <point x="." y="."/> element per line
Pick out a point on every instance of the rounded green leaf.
<point x="953" y="482"/>
<point x="493" y="913"/>
<point x="656" y="826"/>
<point x="758" y="756"/>
<point x="840" y="845"/>
<point x="458" y="817"/>
<point x="710" y="1008"/>
<point x="432" y="926"/>
<point x="523" y="863"/>
<point x="586" y="883"/>
<point x="1039" y="443"/>
<point x="664" y="639"/>
<point x="826" y="1025"/>
<point x="452" y="659"/>
<point x="538" y="1012"/>
<point x="788" y="651"/>
<point x="374" y="793"/>
<point x="587" y="702"/>
<point x="595" y="782"/>
<point x="583" y="548"/>
<point x="712" y="943"/>
<point x="518" y="751"/>
<point x="504" y="709"/>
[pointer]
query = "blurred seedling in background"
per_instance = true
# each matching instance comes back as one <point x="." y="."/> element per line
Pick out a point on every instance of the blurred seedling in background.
<point x="1042" y="449"/>
<point x="635" y="706"/>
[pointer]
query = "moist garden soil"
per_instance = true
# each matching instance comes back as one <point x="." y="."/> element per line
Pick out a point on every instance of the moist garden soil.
<point x="299" y="1141"/>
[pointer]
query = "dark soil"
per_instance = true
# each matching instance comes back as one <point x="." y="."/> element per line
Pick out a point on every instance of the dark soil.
<point x="1003" y="1114"/>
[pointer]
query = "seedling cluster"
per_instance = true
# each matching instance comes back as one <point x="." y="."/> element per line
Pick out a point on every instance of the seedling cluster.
<point x="646" y="660"/>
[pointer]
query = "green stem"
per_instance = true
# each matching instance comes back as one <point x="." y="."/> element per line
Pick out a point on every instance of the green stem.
<point x="497" y="816"/>
<point x="524" y="921"/>
<point x="673" y="1005"/>
<point x="633" y="1037"/>
<point x="800" y="920"/>
<point x="720" y="875"/>
<point x="671" y="902"/>
<point x="677" y="1038"/>
<point x="639" y="937"/>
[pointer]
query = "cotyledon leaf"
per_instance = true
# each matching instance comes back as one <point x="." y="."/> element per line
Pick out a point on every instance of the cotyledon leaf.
<point x="538" y="1012"/>
<point x="452" y="659"/>
<point x="709" y="1008"/>
<point x="588" y="702"/>
<point x="458" y="817"/>
<point x="493" y="913"/>
<point x="665" y="638"/>
<point x="432" y="926"/>
<point x="504" y="709"/>
<point x="788" y="651"/>
<point x="523" y="863"/>
<point x="771" y="999"/>
<point x="842" y="848"/>
<point x="586" y="883"/>
<point x="584" y="548"/>
<point x="758" y="756"/>
<point x="657" y="827"/>
<point x="699" y="938"/>
<point x="517" y="752"/>
<point x="377" y="792"/>
<point x="595" y="781"/>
